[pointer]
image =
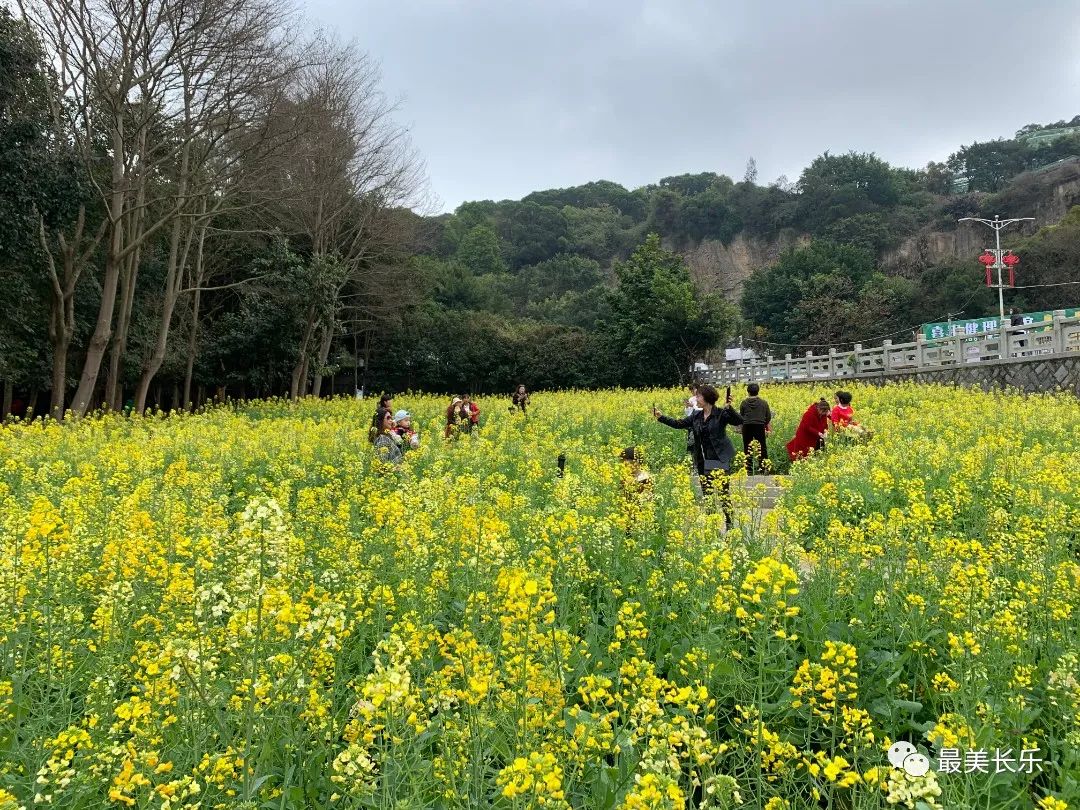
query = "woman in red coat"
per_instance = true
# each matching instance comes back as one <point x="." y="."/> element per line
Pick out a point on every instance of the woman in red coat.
<point x="810" y="435"/>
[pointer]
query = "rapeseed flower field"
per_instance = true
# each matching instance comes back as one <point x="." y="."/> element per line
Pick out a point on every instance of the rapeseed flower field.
<point x="243" y="609"/>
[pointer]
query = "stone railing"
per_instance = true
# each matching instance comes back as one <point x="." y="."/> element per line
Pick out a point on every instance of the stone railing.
<point x="1030" y="342"/>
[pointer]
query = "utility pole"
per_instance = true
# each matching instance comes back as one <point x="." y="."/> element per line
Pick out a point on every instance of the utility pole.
<point x="949" y="319"/>
<point x="997" y="223"/>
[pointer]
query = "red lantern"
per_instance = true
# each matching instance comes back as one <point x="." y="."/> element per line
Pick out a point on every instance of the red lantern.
<point x="1011" y="260"/>
<point x="987" y="259"/>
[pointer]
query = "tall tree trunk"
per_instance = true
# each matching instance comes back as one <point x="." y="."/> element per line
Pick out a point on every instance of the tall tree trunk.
<point x="59" y="377"/>
<point x="367" y="358"/>
<point x="62" y="303"/>
<point x="193" y="335"/>
<point x="9" y="395"/>
<point x="300" y="369"/>
<point x="173" y="284"/>
<point x="355" y="365"/>
<point x="128" y="277"/>
<point x="304" y="376"/>
<point x="118" y="347"/>
<point x="324" y="355"/>
<point x="161" y="343"/>
<point x="60" y="339"/>
<point x="99" y="340"/>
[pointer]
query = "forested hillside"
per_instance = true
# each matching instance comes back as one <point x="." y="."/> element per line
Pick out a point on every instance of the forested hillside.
<point x="848" y="252"/>
<point x="165" y="240"/>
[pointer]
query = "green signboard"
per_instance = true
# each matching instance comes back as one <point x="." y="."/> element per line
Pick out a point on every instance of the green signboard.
<point x="980" y="326"/>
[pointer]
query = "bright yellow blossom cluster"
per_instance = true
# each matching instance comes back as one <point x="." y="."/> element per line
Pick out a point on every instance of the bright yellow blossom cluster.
<point x="239" y="608"/>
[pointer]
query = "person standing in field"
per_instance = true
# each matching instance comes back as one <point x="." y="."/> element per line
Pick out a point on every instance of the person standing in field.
<point x="387" y="442"/>
<point x="713" y="450"/>
<point x="520" y="398"/>
<point x="386" y="403"/>
<point x="453" y="417"/>
<point x="810" y="435"/>
<point x="757" y="422"/>
<point x="692" y="407"/>
<point x="470" y="407"/>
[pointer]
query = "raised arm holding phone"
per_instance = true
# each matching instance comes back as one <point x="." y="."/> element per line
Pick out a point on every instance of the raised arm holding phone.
<point x="713" y="451"/>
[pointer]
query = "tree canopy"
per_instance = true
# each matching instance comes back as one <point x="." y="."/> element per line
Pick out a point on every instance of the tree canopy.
<point x="255" y="237"/>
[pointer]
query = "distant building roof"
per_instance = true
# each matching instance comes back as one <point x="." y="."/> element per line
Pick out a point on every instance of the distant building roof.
<point x="1042" y="137"/>
<point x="739" y="355"/>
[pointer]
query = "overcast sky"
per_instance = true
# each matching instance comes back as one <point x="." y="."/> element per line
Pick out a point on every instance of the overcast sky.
<point x="505" y="97"/>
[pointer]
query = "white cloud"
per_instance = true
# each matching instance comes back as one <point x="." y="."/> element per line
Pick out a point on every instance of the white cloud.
<point x="508" y="98"/>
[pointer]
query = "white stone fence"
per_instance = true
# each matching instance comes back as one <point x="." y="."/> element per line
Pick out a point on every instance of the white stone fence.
<point x="1036" y="341"/>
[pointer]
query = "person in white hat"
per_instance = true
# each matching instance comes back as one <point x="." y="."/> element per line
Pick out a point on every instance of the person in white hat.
<point x="404" y="429"/>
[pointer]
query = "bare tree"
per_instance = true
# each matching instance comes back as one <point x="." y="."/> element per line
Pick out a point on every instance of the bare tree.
<point x="150" y="88"/>
<point x="230" y="77"/>
<point x="72" y="251"/>
<point x="354" y="165"/>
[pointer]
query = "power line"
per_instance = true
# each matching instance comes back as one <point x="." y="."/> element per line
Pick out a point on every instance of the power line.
<point x="829" y="345"/>
<point x="911" y="328"/>
<point x="1033" y="286"/>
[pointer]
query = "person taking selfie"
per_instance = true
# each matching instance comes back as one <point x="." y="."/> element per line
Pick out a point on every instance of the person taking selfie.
<point x="713" y="450"/>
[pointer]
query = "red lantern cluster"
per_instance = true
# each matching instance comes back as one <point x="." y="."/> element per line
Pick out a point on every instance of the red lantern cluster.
<point x="1010" y="260"/>
<point x="988" y="260"/>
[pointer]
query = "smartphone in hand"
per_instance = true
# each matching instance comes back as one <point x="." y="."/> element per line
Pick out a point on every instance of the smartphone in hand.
<point x="727" y="398"/>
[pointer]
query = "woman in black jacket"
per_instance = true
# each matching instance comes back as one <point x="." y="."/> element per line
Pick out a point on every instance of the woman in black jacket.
<point x="713" y="451"/>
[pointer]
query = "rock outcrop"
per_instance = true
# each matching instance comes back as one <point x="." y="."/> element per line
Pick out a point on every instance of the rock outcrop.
<point x="716" y="267"/>
<point x="1046" y="194"/>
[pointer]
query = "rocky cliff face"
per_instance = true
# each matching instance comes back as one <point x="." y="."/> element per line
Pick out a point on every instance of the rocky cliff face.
<point x="716" y="267"/>
<point x="1063" y="196"/>
<point x="1047" y="195"/>
<point x="931" y="247"/>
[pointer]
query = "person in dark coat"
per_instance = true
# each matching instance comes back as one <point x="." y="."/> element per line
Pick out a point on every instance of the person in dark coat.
<point x="713" y="451"/>
<point x="520" y="398"/>
<point x="757" y="419"/>
<point x="470" y="407"/>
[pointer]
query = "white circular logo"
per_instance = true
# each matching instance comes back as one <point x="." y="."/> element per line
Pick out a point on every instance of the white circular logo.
<point x="916" y="764"/>
<point x="900" y="751"/>
<point x="906" y="756"/>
